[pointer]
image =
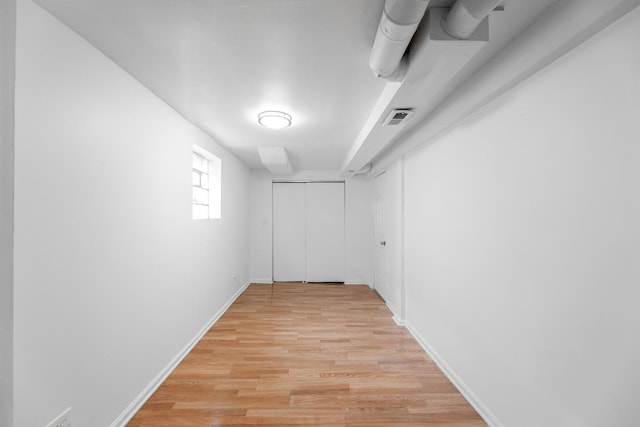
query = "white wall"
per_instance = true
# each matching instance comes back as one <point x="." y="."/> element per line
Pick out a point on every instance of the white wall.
<point x="523" y="242"/>
<point x="358" y="224"/>
<point x="7" y="75"/>
<point x="358" y="231"/>
<point x="112" y="276"/>
<point x="261" y="216"/>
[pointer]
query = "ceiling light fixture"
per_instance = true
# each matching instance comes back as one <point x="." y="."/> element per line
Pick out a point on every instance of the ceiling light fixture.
<point x="274" y="119"/>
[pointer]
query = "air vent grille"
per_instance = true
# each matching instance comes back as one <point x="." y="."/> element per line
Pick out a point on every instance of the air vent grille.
<point x="398" y="116"/>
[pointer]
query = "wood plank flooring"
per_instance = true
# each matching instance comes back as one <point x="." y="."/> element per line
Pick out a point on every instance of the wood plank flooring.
<point x="307" y="355"/>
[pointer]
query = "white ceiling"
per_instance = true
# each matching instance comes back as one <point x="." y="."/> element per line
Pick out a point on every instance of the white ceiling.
<point x="220" y="62"/>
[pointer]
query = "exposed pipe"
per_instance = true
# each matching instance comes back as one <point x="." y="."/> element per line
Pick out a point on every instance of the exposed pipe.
<point x="465" y="16"/>
<point x="398" y="23"/>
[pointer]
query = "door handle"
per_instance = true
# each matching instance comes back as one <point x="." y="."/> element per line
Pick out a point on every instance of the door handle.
<point x="383" y="243"/>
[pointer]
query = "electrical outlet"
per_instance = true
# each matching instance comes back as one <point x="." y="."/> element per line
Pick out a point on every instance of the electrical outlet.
<point x="62" y="420"/>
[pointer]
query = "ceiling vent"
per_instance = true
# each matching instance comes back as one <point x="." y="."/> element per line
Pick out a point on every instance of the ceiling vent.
<point x="397" y="116"/>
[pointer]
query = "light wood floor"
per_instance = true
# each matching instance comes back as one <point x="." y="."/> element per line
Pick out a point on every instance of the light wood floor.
<point x="307" y="354"/>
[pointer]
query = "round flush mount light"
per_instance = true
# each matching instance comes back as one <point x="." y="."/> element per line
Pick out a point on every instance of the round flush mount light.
<point x="274" y="119"/>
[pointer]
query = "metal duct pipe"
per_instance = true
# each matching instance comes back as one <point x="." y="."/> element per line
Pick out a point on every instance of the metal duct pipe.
<point x="465" y="16"/>
<point x="398" y="23"/>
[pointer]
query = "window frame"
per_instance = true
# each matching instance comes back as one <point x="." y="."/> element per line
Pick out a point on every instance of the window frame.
<point x="212" y="185"/>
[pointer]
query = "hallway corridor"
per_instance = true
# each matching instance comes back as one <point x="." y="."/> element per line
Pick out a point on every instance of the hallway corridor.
<point x="307" y="354"/>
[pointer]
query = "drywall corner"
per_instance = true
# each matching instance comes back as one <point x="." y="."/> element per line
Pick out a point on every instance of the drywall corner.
<point x="7" y="85"/>
<point x="486" y="414"/>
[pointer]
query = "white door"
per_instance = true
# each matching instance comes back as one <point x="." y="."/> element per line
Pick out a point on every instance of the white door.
<point x="325" y="232"/>
<point x="289" y="230"/>
<point x="380" y="244"/>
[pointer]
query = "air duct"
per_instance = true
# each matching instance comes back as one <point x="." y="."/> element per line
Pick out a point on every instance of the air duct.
<point x="399" y="21"/>
<point x="465" y="16"/>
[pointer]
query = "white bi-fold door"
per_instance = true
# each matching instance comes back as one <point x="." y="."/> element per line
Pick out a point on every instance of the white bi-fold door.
<point x="308" y="232"/>
<point x="289" y="231"/>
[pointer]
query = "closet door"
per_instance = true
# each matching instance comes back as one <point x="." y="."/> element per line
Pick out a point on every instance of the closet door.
<point x="289" y="229"/>
<point x="380" y="243"/>
<point x="325" y="232"/>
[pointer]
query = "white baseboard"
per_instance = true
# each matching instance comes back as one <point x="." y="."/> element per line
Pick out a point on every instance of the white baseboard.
<point x="270" y="282"/>
<point x="398" y="320"/>
<point x="357" y="283"/>
<point x="146" y="393"/>
<point x="471" y="397"/>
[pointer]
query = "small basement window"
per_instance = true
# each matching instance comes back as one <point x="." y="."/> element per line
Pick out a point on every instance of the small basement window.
<point x="206" y="184"/>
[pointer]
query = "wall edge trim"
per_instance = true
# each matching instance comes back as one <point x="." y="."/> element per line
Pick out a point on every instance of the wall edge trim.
<point x="455" y="379"/>
<point x="156" y="382"/>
